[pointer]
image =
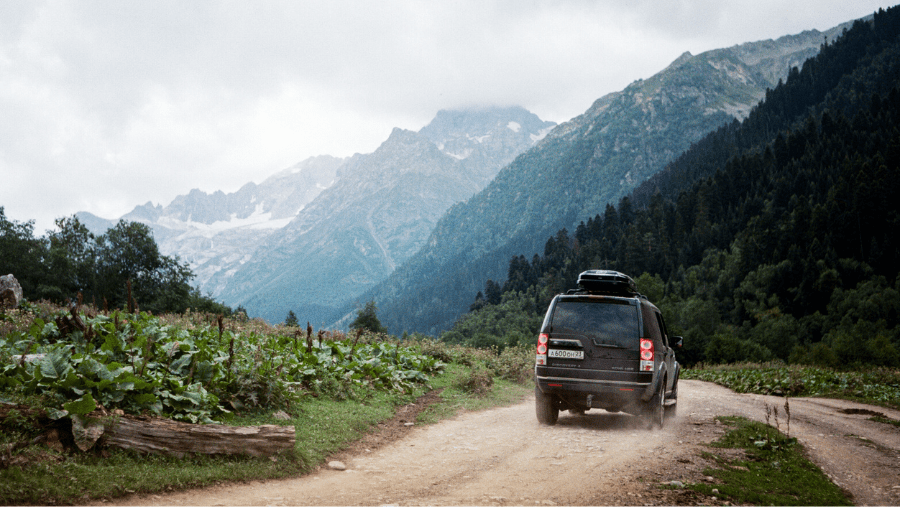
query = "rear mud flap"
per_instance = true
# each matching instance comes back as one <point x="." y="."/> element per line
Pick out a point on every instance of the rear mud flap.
<point x="651" y="389"/>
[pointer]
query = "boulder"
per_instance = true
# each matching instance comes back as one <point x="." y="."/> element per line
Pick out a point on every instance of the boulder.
<point x="10" y="292"/>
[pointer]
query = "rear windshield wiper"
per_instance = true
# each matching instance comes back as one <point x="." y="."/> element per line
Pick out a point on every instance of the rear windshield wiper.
<point x="609" y="345"/>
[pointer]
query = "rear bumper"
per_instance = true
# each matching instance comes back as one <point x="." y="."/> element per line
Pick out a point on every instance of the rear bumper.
<point x="621" y="385"/>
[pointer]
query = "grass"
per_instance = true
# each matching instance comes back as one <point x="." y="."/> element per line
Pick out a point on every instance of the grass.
<point x="323" y="426"/>
<point x="83" y="477"/>
<point x="885" y="420"/>
<point x="772" y="471"/>
<point x="457" y="398"/>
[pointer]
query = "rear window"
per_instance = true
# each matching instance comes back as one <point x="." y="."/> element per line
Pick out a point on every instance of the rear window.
<point x="609" y="322"/>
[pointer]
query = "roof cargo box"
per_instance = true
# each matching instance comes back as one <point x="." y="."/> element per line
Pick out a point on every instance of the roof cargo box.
<point x="606" y="282"/>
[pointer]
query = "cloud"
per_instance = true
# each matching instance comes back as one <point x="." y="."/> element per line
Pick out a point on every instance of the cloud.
<point x="110" y="104"/>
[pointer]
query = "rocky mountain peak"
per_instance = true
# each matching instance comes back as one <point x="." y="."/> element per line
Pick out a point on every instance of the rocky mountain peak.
<point x="378" y="214"/>
<point x="680" y="60"/>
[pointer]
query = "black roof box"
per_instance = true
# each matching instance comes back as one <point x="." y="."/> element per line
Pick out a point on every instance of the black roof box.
<point x="602" y="281"/>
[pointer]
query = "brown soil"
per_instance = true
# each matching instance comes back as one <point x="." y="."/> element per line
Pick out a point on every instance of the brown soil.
<point x="504" y="457"/>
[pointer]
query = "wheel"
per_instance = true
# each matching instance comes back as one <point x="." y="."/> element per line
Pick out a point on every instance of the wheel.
<point x="674" y="394"/>
<point x="546" y="407"/>
<point x="656" y="408"/>
<point x="672" y="406"/>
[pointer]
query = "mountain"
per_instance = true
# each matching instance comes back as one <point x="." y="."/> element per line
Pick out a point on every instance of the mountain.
<point x="771" y="238"/>
<point x="317" y="234"/>
<point x="579" y="168"/>
<point x="381" y="211"/>
<point x="216" y="232"/>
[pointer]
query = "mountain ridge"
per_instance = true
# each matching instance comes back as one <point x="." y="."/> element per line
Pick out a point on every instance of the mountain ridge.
<point x="327" y="222"/>
<point x="581" y="166"/>
<point x="379" y="214"/>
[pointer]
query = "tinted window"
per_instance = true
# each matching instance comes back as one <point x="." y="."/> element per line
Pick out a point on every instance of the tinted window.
<point x="608" y="322"/>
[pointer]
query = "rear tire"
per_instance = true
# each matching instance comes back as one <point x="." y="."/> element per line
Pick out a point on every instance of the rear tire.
<point x="674" y="394"/>
<point x="546" y="407"/>
<point x="656" y="409"/>
<point x="672" y="408"/>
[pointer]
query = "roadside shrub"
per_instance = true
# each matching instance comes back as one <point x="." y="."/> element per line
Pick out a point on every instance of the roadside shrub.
<point x="436" y="349"/>
<point x="880" y="386"/>
<point x="515" y="364"/>
<point x="478" y="383"/>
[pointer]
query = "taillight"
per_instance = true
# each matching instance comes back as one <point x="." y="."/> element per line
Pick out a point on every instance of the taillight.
<point x="646" y="354"/>
<point x="541" y="357"/>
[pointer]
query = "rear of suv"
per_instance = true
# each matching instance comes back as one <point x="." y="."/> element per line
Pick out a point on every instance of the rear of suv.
<point x="606" y="346"/>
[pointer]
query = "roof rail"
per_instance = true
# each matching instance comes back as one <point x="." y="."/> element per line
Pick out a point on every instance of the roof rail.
<point x="583" y="292"/>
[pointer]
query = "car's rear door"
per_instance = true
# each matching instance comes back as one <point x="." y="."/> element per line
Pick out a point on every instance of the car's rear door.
<point x="595" y="333"/>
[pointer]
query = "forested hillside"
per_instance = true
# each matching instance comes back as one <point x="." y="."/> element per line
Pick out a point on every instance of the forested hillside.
<point x="594" y="159"/>
<point x="775" y="237"/>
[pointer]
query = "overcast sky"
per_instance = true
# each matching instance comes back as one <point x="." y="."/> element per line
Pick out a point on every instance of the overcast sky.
<point x="105" y="105"/>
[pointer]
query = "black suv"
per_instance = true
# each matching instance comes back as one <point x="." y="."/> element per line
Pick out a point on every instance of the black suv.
<point x="605" y="346"/>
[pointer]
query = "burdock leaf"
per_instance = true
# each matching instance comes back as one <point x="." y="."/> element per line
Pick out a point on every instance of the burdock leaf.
<point x="81" y="406"/>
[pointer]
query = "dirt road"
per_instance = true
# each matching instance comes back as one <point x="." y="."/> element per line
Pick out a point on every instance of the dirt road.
<point x="503" y="457"/>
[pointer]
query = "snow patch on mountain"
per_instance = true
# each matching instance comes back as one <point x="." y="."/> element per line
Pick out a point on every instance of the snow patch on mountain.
<point x="258" y="220"/>
<point x="460" y="156"/>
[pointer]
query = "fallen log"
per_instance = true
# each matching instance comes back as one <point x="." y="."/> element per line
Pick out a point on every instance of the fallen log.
<point x="165" y="436"/>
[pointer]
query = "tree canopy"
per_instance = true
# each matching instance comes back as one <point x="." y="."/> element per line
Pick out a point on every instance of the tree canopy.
<point x="367" y="319"/>
<point x="70" y="261"/>
<point x="772" y="238"/>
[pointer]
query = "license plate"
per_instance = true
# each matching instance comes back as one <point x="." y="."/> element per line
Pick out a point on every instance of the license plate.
<point x="566" y="354"/>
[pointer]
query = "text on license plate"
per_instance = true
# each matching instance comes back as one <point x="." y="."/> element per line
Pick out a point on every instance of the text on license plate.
<point x="566" y="354"/>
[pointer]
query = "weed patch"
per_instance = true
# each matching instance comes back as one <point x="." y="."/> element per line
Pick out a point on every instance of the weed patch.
<point x="769" y="469"/>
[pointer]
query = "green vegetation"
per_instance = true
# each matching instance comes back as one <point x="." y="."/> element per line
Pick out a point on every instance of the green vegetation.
<point x="139" y="363"/>
<point x="200" y="367"/>
<point x="291" y="319"/>
<point x="367" y="319"/>
<point x="458" y="392"/>
<point x="512" y="321"/>
<point x="772" y="239"/>
<point x="879" y="386"/>
<point x="772" y="472"/>
<point x="119" y="269"/>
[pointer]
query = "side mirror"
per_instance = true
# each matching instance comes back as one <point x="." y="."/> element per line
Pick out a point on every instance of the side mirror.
<point x="679" y="341"/>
